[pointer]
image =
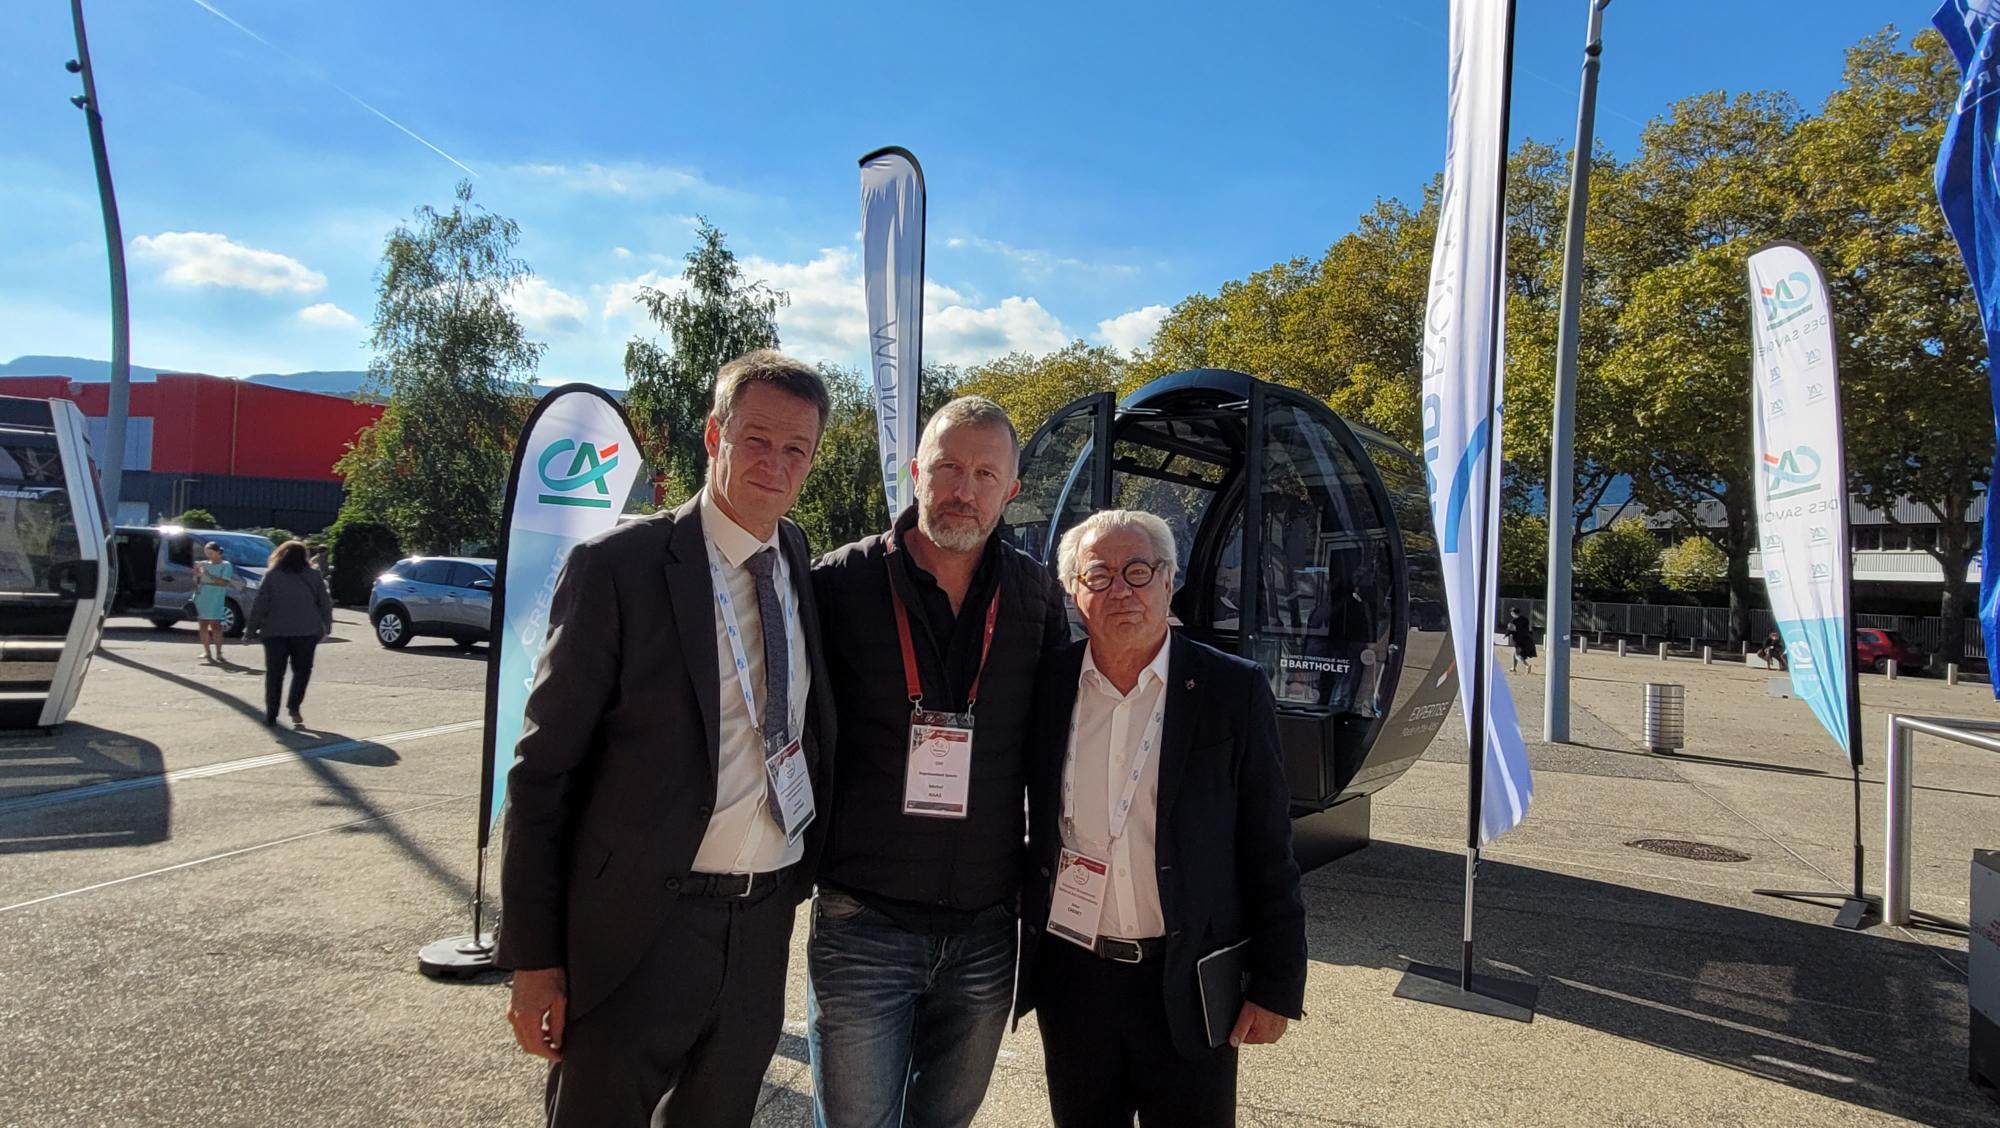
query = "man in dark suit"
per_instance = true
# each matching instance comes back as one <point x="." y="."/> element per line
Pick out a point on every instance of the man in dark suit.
<point x="660" y="826"/>
<point x="1159" y="834"/>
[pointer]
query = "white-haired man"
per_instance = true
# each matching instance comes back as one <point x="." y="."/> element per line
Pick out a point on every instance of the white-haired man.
<point x="1160" y="835"/>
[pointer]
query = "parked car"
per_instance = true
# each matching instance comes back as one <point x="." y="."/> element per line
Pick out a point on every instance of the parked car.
<point x="1873" y="647"/>
<point x="438" y="596"/>
<point x="156" y="572"/>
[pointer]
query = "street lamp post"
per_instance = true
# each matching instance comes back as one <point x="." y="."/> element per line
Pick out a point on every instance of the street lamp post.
<point x="1562" y="450"/>
<point x="110" y="460"/>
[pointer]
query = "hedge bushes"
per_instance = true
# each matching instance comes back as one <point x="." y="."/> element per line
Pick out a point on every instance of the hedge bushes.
<point x="358" y="551"/>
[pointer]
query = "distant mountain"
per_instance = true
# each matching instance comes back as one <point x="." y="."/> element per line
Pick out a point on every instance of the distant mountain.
<point x="344" y="384"/>
<point x="74" y="367"/>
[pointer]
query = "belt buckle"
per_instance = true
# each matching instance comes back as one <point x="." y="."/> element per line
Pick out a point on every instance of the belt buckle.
<point x="749" y="886"/>
<point x="1138" y="953"/>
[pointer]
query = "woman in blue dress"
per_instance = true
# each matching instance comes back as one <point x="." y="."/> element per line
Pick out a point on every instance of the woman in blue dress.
<point x="213" y="578"/>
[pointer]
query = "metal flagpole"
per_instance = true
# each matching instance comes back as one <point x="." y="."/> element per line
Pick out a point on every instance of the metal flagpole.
<point x="1562" y="452"/>
<point x="1484" y="994"/>
<point x="110" y="460"/>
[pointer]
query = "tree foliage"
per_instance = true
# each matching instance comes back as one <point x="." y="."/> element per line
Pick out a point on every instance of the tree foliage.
<point x="711" y="318"/>
<point x="1623" y="559"/>
<point x="1694" y="565"/>
<point x="1033" y="388"/>
<point x="1524" y="550"/>
<point x="456" y="368"/>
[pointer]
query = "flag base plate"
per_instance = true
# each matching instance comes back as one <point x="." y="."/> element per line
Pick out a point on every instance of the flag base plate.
<point x="1856" y="913"/>
<point x="1490" y="995"/>
<point x="460" y="957"/>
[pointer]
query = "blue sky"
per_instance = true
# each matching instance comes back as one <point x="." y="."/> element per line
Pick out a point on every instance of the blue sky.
<point x="1088" y="164"/>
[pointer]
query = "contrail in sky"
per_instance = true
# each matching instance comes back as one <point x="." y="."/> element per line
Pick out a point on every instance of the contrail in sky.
<point x="351" y="96"/>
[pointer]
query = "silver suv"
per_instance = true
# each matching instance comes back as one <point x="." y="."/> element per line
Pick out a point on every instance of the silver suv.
<point x="156" y="572"/>
<point x="441" y="596"/>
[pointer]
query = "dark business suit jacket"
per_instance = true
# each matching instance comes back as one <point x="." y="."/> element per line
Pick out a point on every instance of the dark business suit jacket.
<point x="615" y="774"/>
<point x="1223" y="837"/>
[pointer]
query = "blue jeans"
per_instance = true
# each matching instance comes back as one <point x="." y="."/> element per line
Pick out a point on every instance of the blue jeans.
<point x="903" y="1027"/>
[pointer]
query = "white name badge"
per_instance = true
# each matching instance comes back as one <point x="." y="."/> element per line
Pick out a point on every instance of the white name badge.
<point x="938" y="777"/>
<point x="1076" y="904"/>
<point x="792" y="785"/>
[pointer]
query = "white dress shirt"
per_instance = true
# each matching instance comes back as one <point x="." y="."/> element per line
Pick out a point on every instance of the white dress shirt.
<point x="1106" y="729"/>
<point x="743" y="836"/>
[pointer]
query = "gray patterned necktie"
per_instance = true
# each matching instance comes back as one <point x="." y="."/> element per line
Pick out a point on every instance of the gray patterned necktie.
<point x="777" y="676"/>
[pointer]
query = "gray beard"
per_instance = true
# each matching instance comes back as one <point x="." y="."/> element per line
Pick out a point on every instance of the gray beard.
<point x="952" y="539"/>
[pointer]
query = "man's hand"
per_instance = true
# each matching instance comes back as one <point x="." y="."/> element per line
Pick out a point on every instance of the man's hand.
<point x="536" y="1010"/>
<point x="1256" y="1026"/>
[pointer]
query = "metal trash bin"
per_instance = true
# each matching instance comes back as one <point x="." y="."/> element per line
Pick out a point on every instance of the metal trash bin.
<point x="1665" y="719"/>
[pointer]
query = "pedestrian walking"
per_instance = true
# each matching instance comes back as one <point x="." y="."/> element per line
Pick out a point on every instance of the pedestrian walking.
<point x="291" y="613"/>
<point x="1522" y="637"/>
<point x="214" y="579"/>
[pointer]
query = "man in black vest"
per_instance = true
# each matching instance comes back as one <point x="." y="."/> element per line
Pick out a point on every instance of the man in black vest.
<point x="934" y="633"/>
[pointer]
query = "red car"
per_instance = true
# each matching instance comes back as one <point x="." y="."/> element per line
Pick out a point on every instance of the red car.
<point x="1873" y="647"/>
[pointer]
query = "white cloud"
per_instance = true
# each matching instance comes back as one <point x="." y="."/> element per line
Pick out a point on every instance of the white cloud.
<point x="1040" y="264"/>
<point x="619" y="301"/>
<point x="544" y="309"/>
<point x="326" y="315"/>
<point x="626" y="179"/>
<point x="960" y="334"/>
<point x="622" y="252"/>
<point x="1133" y="329"/>
<point x="827" y="319"/>
<point x="202" y="258"/>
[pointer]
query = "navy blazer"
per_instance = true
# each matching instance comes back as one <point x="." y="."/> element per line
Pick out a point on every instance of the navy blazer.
<point x="1222" y="837"/>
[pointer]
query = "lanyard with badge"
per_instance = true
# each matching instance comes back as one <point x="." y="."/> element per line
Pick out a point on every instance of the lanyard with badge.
<point x="1076" y="903"/>
<point x="789" y="795"/>
<point x="937" y="777"/>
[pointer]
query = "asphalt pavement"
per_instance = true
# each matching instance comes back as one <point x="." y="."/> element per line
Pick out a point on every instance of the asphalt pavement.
<point x="204" y="921"/>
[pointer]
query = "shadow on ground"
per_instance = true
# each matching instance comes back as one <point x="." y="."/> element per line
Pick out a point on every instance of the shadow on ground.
<point x="1860" y="1017"/>
<point x="80" y="756"/>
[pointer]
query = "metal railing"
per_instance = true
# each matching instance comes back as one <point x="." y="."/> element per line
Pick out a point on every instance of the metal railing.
<point x="1896" y="847"/>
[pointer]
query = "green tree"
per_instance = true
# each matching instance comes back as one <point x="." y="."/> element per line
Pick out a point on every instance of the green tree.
<point x="1713" y="181"/>
<point x="1694" y="564"/>
<point x="1524" y="550"/>
<point x="1912" y="353"/>
<point x="456" y="367"/>
<point x="1032" y="388"/>
<point x="195" y="517"/>
<point x="711" y="320"/>
<point x="1624" y="558"/>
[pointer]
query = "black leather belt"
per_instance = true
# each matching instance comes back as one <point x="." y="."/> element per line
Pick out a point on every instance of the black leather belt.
<point x="736" y="885"/>
<point x="1130" y="951"/>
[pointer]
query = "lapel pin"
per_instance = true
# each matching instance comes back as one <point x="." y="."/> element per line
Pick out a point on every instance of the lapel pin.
<point x="1190" y="683"/>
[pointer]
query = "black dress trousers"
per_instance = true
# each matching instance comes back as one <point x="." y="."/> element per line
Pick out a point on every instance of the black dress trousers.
<point x="1108" y="1052"/>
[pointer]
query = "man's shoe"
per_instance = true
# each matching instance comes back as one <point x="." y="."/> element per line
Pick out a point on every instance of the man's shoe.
<point x="297" y="721"/>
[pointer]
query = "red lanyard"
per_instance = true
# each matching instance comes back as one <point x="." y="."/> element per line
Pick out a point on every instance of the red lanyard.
<point x="911" y="681"/>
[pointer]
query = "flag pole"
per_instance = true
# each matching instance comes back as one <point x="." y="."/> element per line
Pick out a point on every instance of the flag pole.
<point x="1501" y="998"/>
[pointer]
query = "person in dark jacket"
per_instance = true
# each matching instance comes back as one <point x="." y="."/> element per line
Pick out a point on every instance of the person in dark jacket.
<point x="665" y="808"/>
<point x="291" y="613"/>
<point x="934" y="633"/>
<point x="1160" y="834"/>
<point x="1522" y="637"/>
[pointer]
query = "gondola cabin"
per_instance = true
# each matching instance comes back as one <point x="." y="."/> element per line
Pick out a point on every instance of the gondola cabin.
<point x="1305" y="545"/>
<point x="53" y="568"/>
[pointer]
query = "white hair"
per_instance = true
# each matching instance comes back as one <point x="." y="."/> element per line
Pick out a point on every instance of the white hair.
<point x="1111" y="521"/>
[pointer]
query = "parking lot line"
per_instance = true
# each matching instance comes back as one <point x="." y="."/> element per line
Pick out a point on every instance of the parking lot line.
<point x="234" y="853"/>
<point x="205" y="771"/>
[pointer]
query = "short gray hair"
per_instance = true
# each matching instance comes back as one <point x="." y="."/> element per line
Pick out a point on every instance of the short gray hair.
<point x="769" y="366"/>
<point x="972" y="411"/>
<point x="1111" y="521"/>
